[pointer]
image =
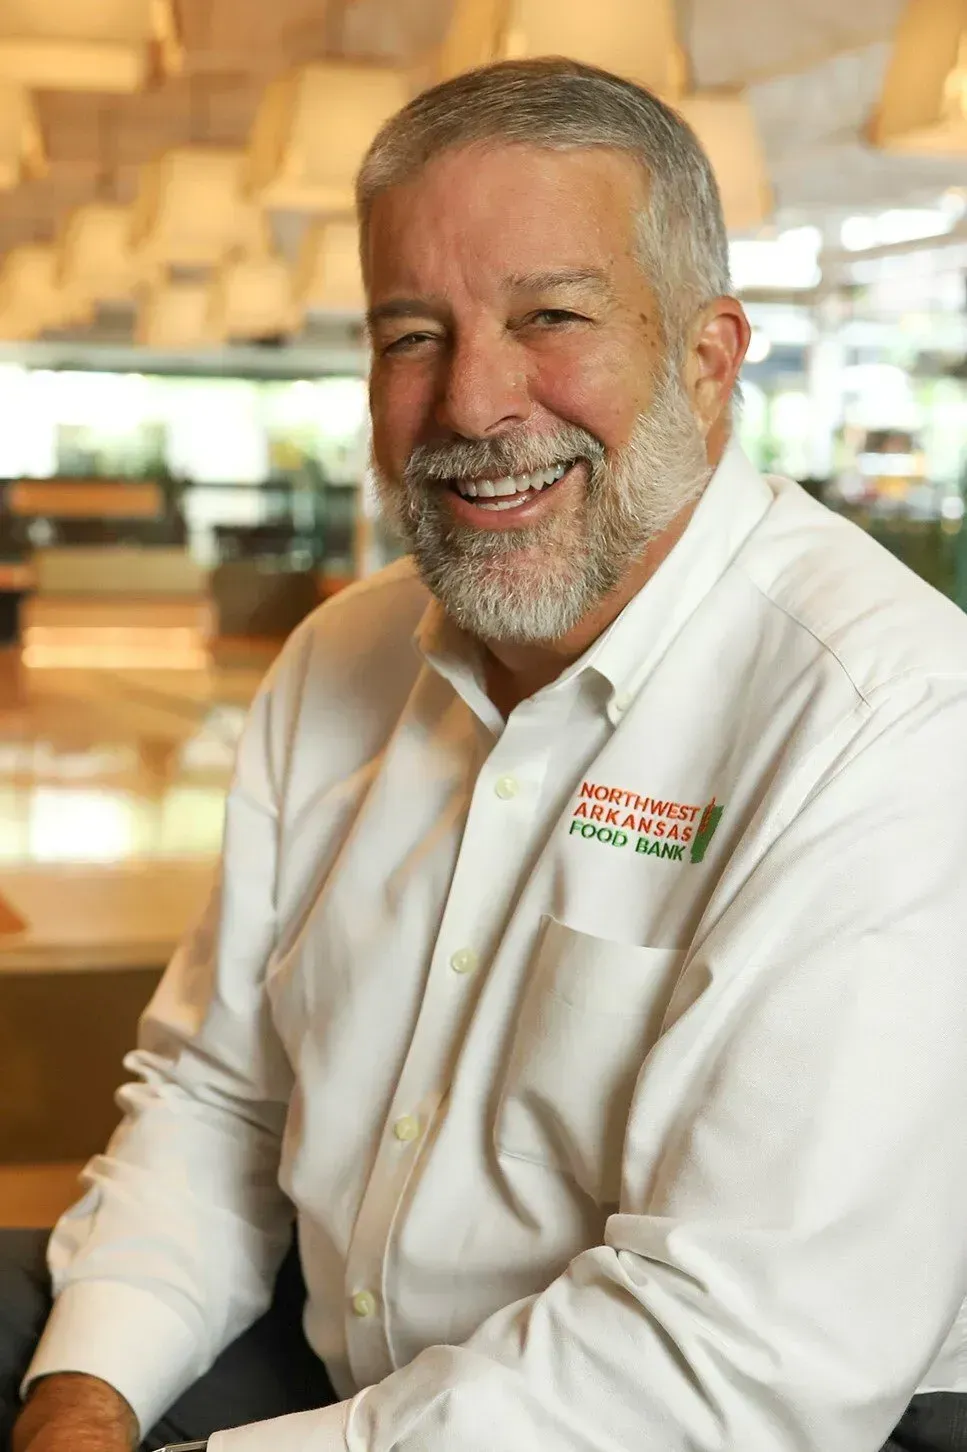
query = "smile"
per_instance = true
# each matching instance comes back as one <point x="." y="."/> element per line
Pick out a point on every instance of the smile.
<point x="510" y="491"/>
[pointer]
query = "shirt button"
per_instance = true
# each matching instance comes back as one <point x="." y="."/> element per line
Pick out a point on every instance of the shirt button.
<point x="407" y="1129"/>
<point x="464" y="961"/>
<point x="507" y="787"/>
<point x="621" y="703"/>
<point x="364" y="1304"/>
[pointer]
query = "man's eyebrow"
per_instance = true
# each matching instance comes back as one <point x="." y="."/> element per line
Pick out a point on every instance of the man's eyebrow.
<point x="585" y="278"/>
<point x="405" y="307"/>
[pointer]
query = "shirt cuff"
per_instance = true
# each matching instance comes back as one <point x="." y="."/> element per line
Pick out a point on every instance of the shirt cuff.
<point x="320" y="1431"/>
<point x="127" y="1338"/>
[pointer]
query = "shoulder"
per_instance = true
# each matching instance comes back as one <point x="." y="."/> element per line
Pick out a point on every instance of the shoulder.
<point x="385" y="605"/>
<point x="371" y="618"/>
<point x="353" y="653"/>
<point x="872" y="618"/>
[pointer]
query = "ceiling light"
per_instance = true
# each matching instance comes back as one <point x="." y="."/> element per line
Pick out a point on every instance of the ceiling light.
<point x="177" y="316"/>
<point x="21" y="144"/>
<point x="95" y="255"/>
<point x="899" y="224"/>
<point x="633" y="38"/>
<point x="786" y="263"/>
<point x="328" y="276"/>
<point x="87" y="45"/>
<point x="725" y="125"/>
<point x="190" y="210"/>
<point x="312" y="131"/>
<point x="253" y="298"/>
<point x="923" y="106"/>
<point x="760" y="346"/>
<point x="32" y="298"/>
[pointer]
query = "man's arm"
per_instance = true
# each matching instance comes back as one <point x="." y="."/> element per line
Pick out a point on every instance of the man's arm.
<point x="174" y="1249"/>
<point x="70" y="1413"/>
<point x="789" y="1251"/>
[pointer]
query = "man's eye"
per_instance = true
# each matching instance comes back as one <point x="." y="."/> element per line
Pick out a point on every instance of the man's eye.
<point x="408" y="342"/>
<point x="553" y="317"/>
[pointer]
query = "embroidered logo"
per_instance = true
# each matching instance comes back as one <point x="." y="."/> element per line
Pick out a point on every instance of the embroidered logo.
<point x="707" y="828"/>
<point x="614" y="817"/>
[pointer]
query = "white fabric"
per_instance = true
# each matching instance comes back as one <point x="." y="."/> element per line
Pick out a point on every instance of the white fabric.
<point x="595" y="1143"/>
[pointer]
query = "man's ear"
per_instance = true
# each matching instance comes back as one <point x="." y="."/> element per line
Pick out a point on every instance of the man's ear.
<point x="717" y="345"/>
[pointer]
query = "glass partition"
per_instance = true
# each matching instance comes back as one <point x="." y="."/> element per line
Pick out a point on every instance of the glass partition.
<point x="249" y="466"/>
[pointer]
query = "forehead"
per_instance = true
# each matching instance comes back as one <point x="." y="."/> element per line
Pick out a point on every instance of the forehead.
<point x="500" y="210"/>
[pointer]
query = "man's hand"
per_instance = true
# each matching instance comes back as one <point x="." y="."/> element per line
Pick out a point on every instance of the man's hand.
<point x="70" y="1413"/>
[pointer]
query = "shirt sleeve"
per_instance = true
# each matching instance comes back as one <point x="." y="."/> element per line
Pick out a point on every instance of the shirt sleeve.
<point x="789" y="1251"/>
<point x="174" y="1249"/>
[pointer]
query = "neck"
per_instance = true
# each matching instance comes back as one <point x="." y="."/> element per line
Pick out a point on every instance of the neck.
<point x="514" y="672"/>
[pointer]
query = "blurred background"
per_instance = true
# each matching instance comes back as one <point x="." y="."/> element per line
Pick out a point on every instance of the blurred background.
<point x="183" y="420"/>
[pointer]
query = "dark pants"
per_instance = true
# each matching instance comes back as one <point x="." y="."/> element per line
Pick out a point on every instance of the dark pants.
<point x="272" y="1370"/>
<point x="269" y="1371"/>
<point x="936" y="1422"/>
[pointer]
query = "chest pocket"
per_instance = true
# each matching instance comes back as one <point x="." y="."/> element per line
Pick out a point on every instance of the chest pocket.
<point x="591" y="1013"/>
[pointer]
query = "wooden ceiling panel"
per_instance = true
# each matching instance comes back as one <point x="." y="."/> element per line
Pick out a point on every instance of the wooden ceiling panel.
<point x="405" y="30"/>
<point x="260" y="37"/>
<point x="33" y="212"/>
<point x="97" y="143"/>
<point x="811" y="109"/>
<point x="735" y="42"/>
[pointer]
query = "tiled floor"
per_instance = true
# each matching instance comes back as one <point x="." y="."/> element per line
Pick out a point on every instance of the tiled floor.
<point x="112" y="787"/>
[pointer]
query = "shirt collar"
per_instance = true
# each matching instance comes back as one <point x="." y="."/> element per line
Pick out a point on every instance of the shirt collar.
<point x="457" y="657"/>
<point x="734" y="501"/>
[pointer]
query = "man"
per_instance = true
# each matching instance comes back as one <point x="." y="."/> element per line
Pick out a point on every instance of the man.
<point x="589" y="978"/>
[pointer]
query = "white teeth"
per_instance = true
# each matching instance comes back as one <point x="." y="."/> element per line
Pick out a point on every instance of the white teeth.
<point x="508" y="486"/>
<point x="505" y="503"/>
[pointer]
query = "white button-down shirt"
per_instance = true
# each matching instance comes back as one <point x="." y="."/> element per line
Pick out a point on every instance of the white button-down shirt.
<point x="614" y="1057"/>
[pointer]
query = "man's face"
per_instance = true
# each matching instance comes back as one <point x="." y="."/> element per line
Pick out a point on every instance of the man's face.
<point x="530" y="435"/>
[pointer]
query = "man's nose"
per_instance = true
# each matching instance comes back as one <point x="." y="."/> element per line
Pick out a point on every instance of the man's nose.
<point x="483" y="388"/>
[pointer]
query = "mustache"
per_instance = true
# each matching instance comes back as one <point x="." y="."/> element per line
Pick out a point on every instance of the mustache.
<point x="507" y="454"/>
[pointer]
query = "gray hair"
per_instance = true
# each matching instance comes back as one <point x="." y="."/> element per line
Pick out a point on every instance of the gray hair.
<point x="562" y="104"/>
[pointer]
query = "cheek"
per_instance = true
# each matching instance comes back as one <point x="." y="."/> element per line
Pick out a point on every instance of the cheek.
<point x="399" y="400"/>
<point x="599" y="389"/>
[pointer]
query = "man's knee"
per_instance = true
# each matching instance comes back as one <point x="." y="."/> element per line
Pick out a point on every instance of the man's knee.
<point x="24" y="1307"/>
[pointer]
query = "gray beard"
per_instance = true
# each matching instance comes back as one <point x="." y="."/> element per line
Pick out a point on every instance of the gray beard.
<point x="533" y="585"/>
